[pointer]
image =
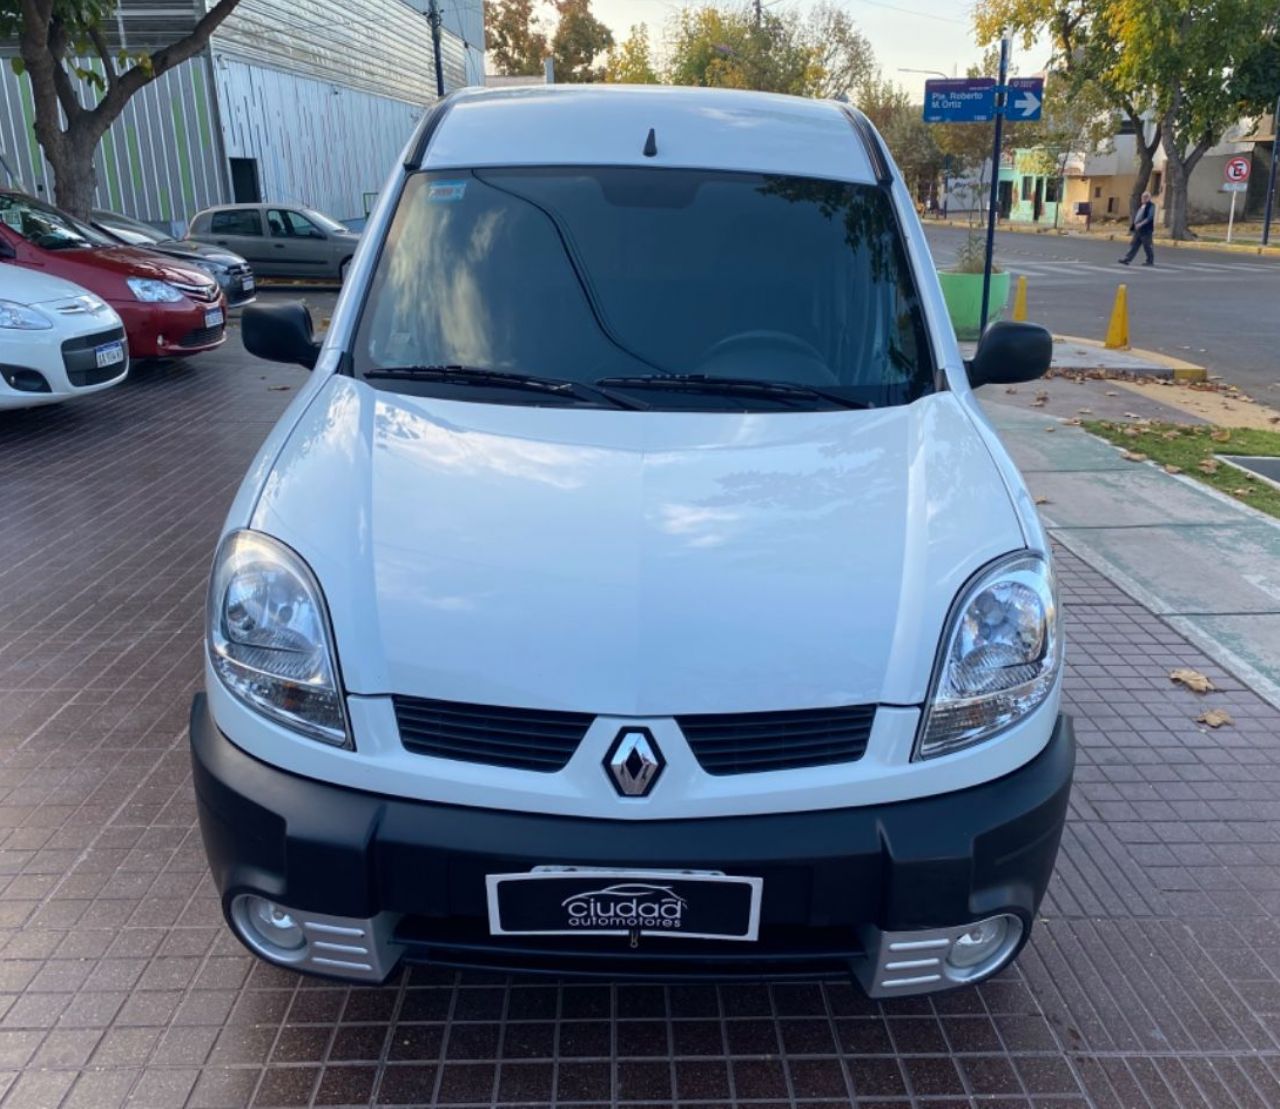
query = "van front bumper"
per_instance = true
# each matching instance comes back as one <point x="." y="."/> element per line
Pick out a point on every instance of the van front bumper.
<point x="404" y="880"/>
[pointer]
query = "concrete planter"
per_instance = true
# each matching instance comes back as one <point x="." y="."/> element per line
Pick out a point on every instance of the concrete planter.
<point x="963" y="294"/>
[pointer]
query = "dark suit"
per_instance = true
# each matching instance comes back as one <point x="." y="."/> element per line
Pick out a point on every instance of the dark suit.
<point x="1143" y="228"/>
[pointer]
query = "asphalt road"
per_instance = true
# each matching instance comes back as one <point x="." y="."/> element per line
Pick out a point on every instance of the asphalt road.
<point x="1215" y="308"/>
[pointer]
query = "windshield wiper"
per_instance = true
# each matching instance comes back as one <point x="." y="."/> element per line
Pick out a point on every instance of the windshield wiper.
<point x="480" y="375"/>
<point x="743" y="386"/>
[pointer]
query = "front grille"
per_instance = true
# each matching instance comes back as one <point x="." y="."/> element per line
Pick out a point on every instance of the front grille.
<point x="203" y="293"/>
<point x="92" y="342"/>
<point x="81" y="379"/>
<point x="201" y="337"/>
<point x="240" y="269"/>
<point x="524" y="739"/>
<point x="750" y="743"/>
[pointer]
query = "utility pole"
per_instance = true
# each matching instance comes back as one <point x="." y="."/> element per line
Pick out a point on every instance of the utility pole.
<point x="1002" y="98"/>
<point x="433" y="17"/>
<point x="1271" y="177"/>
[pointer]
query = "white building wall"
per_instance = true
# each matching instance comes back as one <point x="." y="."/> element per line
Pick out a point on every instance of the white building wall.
<point x="315" y="142"/>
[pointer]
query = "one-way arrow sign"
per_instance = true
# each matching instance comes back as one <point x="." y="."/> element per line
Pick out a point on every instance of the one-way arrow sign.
<point x="1026" y="99"/>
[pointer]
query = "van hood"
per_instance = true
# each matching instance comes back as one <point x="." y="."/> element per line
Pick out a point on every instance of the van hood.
<point x="636" y="563"/>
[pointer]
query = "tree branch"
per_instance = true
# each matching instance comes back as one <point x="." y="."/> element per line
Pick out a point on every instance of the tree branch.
<point x="100" y="45"/>
<point x="159" y="62"/>
<point x="67" y="95"/>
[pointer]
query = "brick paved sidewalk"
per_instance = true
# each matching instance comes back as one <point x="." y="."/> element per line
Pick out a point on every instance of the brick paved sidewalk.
<point x="1150" y="982"/>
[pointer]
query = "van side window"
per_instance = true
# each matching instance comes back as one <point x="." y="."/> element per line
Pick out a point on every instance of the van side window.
<point x="236" y="222"/>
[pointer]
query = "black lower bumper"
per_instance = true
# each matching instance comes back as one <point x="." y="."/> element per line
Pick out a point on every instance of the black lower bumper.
<point x="926" y="863"/>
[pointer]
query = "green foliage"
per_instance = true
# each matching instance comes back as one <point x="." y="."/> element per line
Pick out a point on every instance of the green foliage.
<point x="972" y="256"/>
<point x="631" y="62"/>
<point x="726" y="48"/>
<point x="515" y="44"/>
<point x="579" y="39"/>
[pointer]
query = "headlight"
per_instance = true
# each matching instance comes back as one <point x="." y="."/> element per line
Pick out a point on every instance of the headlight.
<point x="269" y="637"/>
<point x="151" y="291"/>
<point x="213" y="269"/>
<point x="21" y="318"/>
<point x="1000" y="656"/>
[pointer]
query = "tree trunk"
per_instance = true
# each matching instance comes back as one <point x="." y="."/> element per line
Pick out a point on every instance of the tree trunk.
<point x="1179" y="165"/>
<point x="1146" y="163"/>
<point x="75" y="178"/>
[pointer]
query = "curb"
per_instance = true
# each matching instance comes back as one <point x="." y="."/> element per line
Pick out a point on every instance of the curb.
<point x="1268" y="251"/>
<point x="1175" y="369"/>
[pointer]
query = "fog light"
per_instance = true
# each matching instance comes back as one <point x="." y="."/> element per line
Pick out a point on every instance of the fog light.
<point x="268" y="928"/>
<point x="979" y="943"/>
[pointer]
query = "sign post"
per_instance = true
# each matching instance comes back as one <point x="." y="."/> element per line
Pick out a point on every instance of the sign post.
<point x="1002" y="100"/>
<point x="981" y="100"/>
<point x="1236" y="176"/>
<point x="1271" y="177"/>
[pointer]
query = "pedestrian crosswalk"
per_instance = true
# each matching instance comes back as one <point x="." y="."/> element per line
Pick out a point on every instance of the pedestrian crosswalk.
<point x="1076" y="271"/>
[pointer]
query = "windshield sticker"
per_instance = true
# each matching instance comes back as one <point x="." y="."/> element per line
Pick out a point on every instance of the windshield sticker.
<point x="446" y="192"/>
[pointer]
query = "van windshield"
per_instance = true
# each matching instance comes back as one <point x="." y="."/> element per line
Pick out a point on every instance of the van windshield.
<point x="632" y="278"/>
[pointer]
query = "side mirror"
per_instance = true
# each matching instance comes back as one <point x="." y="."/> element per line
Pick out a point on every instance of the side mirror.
<point x="1009" y="353"/>
<point x="280" y="333"/>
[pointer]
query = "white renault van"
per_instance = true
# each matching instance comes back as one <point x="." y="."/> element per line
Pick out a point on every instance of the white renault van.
<point x="636" y="587"/>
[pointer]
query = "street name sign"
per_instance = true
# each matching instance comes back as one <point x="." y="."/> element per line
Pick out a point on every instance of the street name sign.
<point x="1025" y="100"/>
<point x="964" y="100"/>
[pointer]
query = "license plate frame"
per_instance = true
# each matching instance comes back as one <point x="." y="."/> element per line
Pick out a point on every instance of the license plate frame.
<point x="247" y="284"/>
<point x="109" y="354"/>
<point x="213" y="317"/>
<point x="665" y="901"/>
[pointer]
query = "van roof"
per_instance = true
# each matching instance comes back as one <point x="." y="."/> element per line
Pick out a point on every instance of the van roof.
<point x="724" y="129"/>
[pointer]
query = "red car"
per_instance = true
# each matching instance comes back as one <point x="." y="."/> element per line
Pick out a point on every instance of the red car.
<point x="168" y="309"/>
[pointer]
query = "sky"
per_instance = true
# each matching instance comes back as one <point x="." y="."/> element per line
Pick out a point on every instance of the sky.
<point x="912" y="34"/>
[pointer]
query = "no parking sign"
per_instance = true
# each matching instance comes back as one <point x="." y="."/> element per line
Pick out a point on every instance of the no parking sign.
<point x="1236" y="175"/>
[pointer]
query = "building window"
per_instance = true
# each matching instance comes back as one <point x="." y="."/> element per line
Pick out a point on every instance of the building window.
<point x="1097" y="192"/>
<point x="1051" y="190"/>
<point x="1157" y="179"/>
<point x="1028" y="183"/>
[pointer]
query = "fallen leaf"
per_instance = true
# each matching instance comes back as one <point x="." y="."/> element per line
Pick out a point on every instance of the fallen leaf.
<point x="1074" y="422"/>
<point x="1012" y="389"/>
<point x="1132" y="416"/>
<point x="1085" y="411"/>
<point x="1112" y="393"/>
<point x="1042" y="500"/>
<point x="1042" y="395"/>
<point x="1208" y="465"/>
<point x="1049" y="429"/>
<point x="1242" y="492"/>
<point x="1221" y="435"/>
<point x="1192" y="679"/>
<point x="1133" y="456"/>
<point x="1170" y="468"/>
<point x="1215" y="718"/>
<point x="1037" y="404"/>
<point x="277" y="388"/>
<point x="1131" y="432"/>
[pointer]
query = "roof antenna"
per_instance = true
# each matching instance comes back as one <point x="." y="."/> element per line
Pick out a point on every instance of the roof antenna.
<point x="651" y="144"/>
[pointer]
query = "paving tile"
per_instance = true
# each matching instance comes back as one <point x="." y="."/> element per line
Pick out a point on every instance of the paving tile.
<point x="1149" y="982"/>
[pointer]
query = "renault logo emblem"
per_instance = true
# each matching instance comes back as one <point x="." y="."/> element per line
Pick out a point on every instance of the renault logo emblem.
<point x="634" y="762"/>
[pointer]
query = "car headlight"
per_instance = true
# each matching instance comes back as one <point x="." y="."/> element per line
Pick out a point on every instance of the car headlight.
<point x="1000" y="656"/>
<point x="152" y="291"/>
<point x="20" y="317"/>
<point x="269" y="637"/>
<point x="213" y="269"/>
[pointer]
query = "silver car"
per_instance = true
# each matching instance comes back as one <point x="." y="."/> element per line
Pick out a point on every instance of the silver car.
<point x="279" y="240"/>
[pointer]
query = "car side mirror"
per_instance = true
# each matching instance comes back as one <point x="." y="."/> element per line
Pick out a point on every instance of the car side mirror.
<point x="280" y="333"/>
<point x="1009" y="353"/>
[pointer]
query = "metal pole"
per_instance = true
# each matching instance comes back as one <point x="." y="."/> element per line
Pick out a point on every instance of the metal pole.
<point x="433" y="17"/>
<point x="1231" y="219"/>
<point x="1271" y="177"/>
<point x="995" y="180"/>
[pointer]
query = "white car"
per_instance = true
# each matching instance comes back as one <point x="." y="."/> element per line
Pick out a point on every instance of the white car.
<point x="636" y="586"/>
<point x="57" y="340"/>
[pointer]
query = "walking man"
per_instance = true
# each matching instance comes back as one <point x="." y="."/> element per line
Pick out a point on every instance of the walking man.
<point x="1143" y="228"/>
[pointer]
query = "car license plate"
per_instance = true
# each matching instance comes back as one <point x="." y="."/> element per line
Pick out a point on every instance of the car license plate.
<point x="213" y="317"/>
<point x="109" y="354"/>
<point x="572" y="902"/>
<point x="246" y="284"/>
